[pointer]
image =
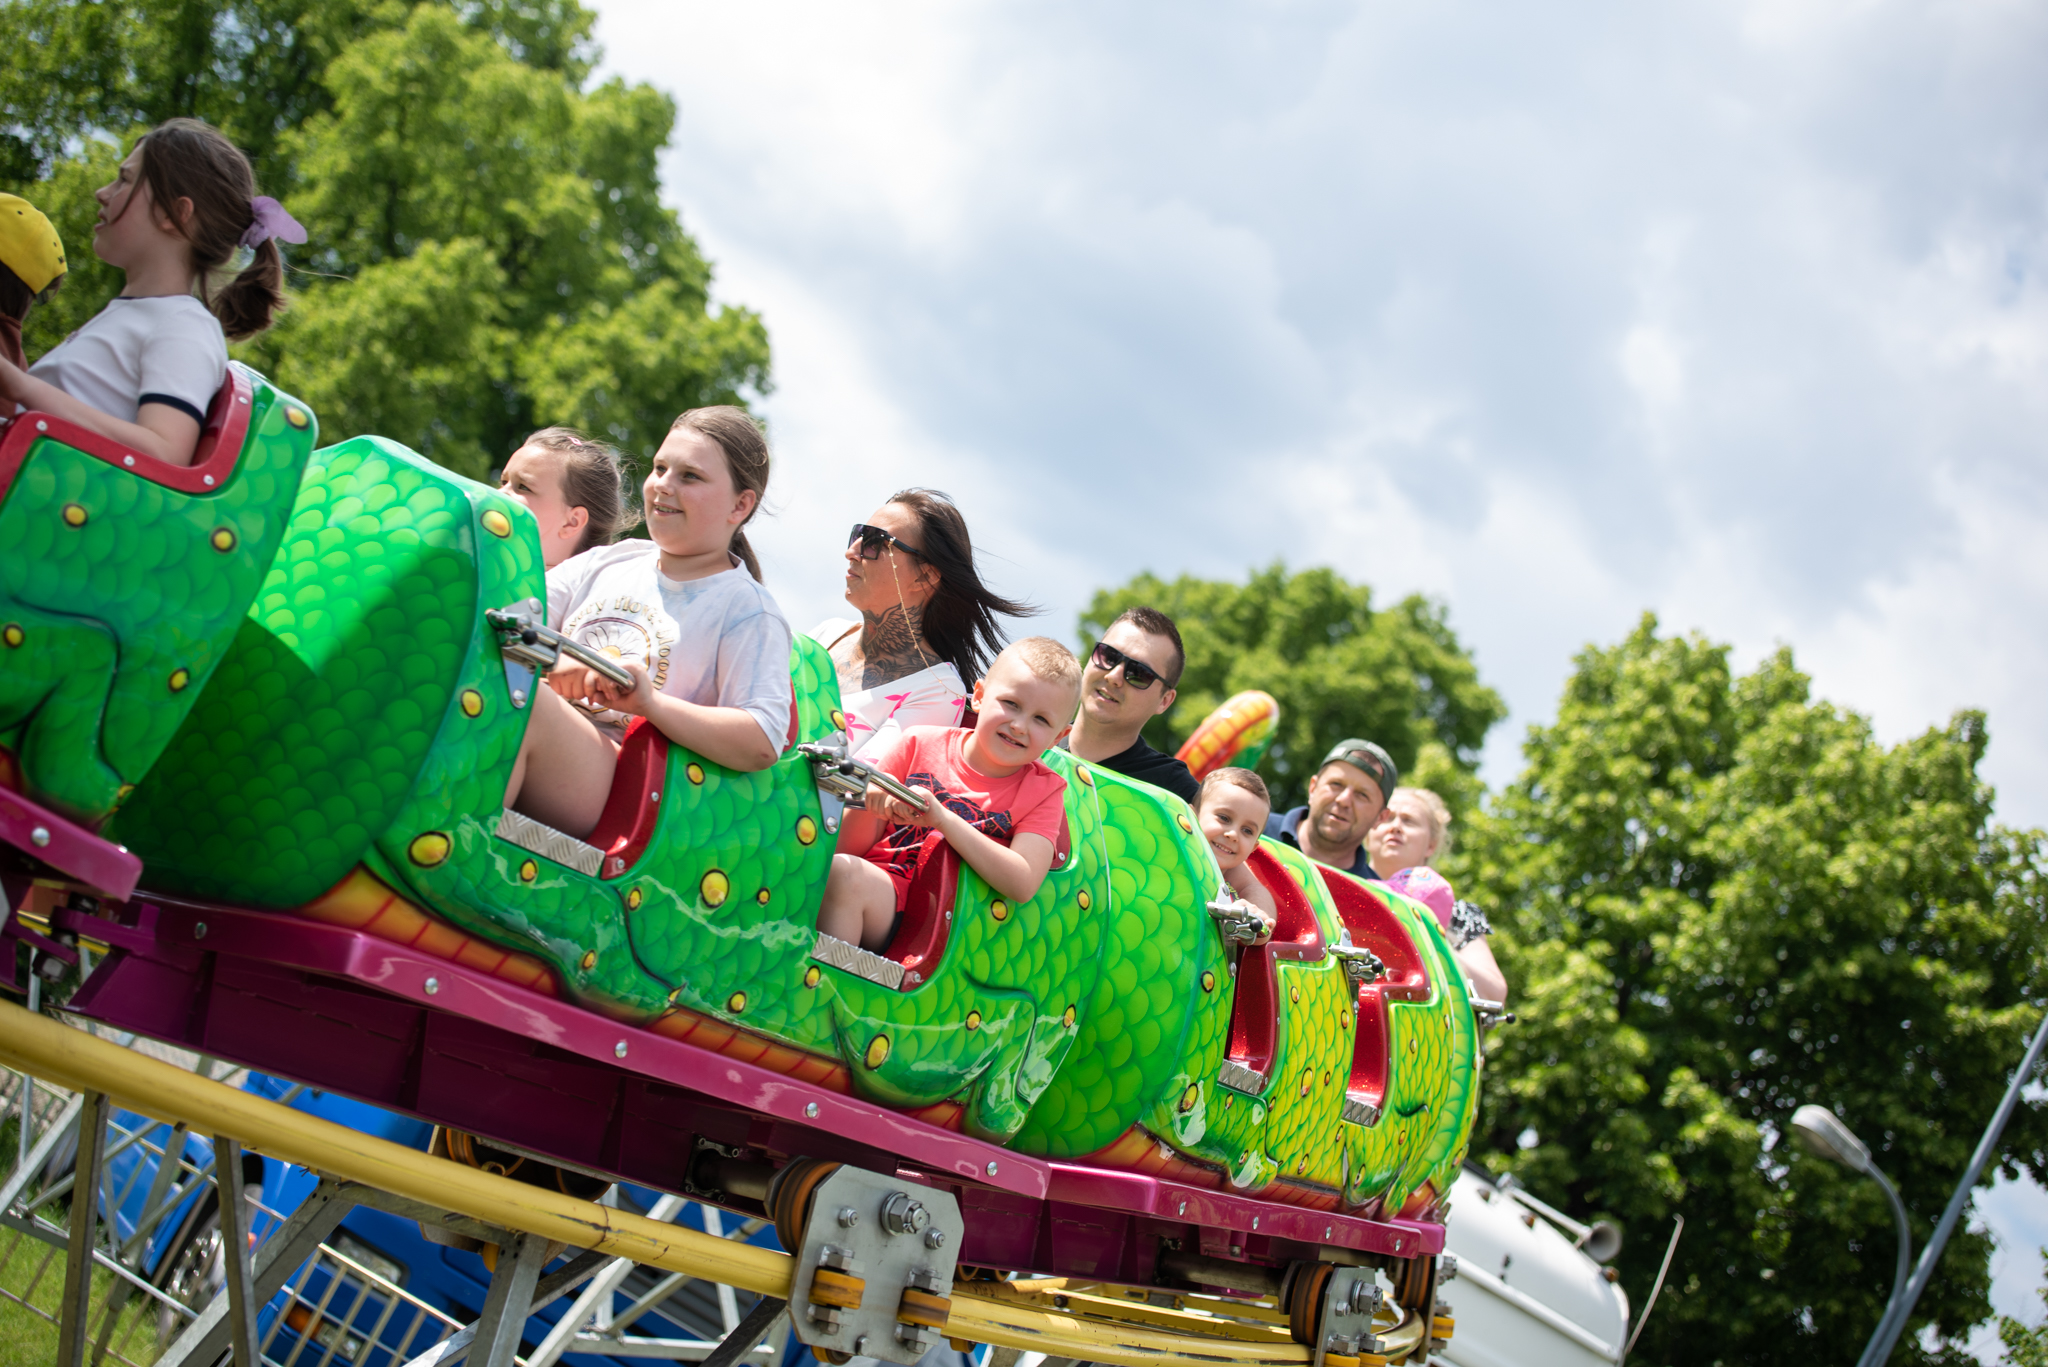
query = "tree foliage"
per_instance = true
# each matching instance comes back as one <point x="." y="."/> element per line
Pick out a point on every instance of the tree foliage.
<point x="2025" y="1347"/>
<point x="1717" y="899"/>
<point x="1338" y="666"/>
<point x="489" y="252"/>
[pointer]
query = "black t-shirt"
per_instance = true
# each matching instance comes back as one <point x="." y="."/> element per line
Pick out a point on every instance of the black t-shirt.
<point x="1155" y="767"/>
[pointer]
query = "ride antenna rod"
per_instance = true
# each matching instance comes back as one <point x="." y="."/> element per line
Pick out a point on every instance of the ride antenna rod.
<point x="1894" y="1320"/>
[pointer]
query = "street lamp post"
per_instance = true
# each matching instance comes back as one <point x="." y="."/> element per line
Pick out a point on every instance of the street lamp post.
<point x="1824" y="1136"/>
<point x="1819" y="1131"/>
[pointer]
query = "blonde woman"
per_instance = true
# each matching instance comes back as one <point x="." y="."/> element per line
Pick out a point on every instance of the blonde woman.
<point x="1416" y="830"/>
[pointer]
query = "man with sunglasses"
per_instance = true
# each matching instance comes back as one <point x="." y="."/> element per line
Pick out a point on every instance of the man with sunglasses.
<point x="1126" y="681"/>
<point x="1346" y="799"/>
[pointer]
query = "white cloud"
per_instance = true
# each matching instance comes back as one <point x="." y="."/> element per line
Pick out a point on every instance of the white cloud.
<point x="1559" y="314"/>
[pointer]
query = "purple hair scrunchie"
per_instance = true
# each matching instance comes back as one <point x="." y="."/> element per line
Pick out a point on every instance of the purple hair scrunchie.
<point x="271" y="220"/>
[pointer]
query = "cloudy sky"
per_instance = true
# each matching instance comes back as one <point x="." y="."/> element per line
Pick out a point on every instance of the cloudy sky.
<point x="1732" y="312"/>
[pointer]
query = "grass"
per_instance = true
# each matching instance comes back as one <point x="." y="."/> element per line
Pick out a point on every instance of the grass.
<point x="26" y="1337"/>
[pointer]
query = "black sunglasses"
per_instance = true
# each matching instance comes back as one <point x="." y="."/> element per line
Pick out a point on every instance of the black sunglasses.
<point x="872" y="539"/>
<point x="1137" y="673"/>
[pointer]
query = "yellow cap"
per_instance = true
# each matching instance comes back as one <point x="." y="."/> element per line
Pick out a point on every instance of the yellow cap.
<point x="29" y="245"/>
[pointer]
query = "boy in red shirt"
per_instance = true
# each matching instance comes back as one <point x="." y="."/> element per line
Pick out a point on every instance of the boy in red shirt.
<point x="986" y="792"/>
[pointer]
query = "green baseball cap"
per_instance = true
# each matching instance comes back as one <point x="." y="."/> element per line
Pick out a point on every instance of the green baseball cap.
<point x="1377" y="764"/>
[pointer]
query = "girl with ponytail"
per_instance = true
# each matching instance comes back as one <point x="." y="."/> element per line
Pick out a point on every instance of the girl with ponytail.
<point x="182" y="220"/>
<point x="686" y="614"/>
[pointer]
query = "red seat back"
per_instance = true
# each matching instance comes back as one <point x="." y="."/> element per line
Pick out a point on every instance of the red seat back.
<point x="1374" y="926"/>
<point x="220" y="442"/>
<point x="628" y="821"/>
<point x="1255" y="1007"/>
<point x="920" y="938"/>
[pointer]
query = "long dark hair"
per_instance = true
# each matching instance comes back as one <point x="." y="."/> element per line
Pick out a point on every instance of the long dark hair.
<point x="191" y="159"/>
<point x="960" y="620"/>
<point x="746" y="457"/>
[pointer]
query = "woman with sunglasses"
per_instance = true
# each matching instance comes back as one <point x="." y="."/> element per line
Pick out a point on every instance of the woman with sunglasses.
<point x="927" y="623"/>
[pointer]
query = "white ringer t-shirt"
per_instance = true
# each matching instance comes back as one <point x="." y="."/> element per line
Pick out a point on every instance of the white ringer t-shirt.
<point x="165" y="349"/>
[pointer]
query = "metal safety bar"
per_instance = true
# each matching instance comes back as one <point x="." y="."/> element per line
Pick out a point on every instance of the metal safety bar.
<point x="832" y="767"/>
<point x="1237" y="920"/>
<point x="524" y="637"/>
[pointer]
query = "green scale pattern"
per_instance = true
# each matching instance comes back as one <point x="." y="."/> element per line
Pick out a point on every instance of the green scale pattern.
<point x="988" y="1026"/>
<point x="363" y="715"/>
<point x="1148" y="1027"/>
<point x="114" y="626"/>
<point x="312" y="735"/>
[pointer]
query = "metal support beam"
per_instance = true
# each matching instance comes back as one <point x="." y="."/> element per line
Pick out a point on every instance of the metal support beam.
<point x="596" y="1296"/>
<point x="33" y="1159"/>
<point x="234" y="1247"/>
<point x="506" y="1307"/>
<point x="749" y="1332"/>
<point x="405" y="1207"/>
<point x="550" y="1289"/>
<point x="74" y="1326"/>
<point x="28" y="1106"/>
<point x="168" y="1167"/>
<point x="206" y="1338"/>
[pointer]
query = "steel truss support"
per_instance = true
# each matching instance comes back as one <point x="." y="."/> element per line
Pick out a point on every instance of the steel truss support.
<point x="207" y="1337"/>
<point x="760" y="1321"/>
<point x="505" y="1308"/>
<point x="74" y="1321"/>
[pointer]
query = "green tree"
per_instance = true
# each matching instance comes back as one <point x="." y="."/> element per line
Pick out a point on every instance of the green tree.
<point x="489" y="252"/>
<point x="2025" y="1347"/>
<point x="1717" y="899"/>
<point x="253" y="68"/>
<point x="1338" y="667"/>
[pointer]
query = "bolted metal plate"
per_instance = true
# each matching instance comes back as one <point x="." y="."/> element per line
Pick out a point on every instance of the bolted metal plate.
<point x="1239" y="1078"/>
<point x="900" y="1235"/>
<point x="1344" y="1319"/>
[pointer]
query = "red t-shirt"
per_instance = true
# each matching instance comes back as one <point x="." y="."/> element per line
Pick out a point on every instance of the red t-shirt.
<point x="1029" y="801"/>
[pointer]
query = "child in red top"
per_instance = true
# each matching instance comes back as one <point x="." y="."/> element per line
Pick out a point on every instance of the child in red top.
<point x="986" y="791"/>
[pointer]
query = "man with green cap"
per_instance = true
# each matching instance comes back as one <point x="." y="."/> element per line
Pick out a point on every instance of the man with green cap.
<point x="1347" y="798"/>
<point x="31" y="267"/>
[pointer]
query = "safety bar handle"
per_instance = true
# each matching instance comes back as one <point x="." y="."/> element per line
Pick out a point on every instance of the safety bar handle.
<point x="544" y="646"/>
<point x="1236" y="919"/>
<point x="829" y="761"/>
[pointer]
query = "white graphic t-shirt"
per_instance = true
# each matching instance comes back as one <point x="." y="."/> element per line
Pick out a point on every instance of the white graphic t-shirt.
<point x="876" y="716"/>
<point x="719" y="641"/>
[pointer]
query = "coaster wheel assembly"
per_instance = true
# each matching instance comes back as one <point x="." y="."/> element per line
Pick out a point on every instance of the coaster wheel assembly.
<point x="790" y="1196"/>
<point x="1343" y="1318"/>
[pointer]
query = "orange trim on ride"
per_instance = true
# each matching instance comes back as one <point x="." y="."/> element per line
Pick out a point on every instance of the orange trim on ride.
<point x="729" y="1041"/>
<point x="1139" y="1150"/>
<point x="362" y="902"/>
<point x="945" y="1115"/>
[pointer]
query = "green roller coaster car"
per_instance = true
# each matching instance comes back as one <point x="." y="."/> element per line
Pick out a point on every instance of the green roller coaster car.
<point x="348" y="714"/>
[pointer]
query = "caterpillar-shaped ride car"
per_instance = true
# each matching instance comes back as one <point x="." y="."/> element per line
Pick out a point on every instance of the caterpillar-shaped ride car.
<point x="281" y="681"/>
